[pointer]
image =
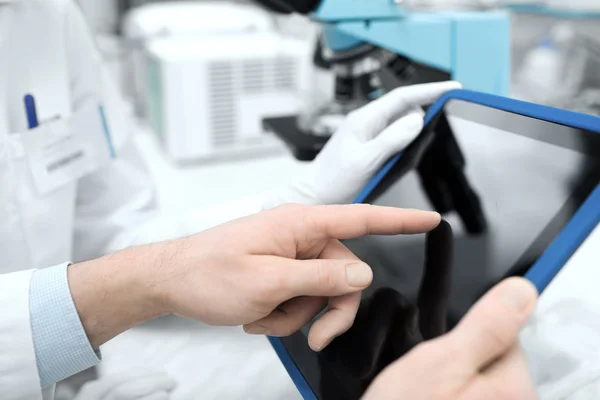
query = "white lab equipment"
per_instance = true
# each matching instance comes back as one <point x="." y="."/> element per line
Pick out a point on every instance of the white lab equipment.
<point x="183" y="19"/>
<point x="207" y="97"/>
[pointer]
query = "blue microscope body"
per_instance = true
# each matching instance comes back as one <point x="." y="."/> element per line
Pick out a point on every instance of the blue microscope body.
<point x="373" y="46"/>
<point x="473" y="47"/>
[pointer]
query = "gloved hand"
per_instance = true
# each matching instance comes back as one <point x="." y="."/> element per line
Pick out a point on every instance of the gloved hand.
<point x="364" y="142"/>
<point x="139" y="385"/>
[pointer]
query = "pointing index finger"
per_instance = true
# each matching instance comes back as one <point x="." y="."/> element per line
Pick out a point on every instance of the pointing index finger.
<point x="356" y="220"/>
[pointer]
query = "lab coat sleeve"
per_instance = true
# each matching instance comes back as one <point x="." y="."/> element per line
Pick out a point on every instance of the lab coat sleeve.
<point x="62" y="347"/>
<point x="18" y="369"/>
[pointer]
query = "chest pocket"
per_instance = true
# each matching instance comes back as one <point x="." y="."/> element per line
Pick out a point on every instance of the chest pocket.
<point x="35" y="230"/>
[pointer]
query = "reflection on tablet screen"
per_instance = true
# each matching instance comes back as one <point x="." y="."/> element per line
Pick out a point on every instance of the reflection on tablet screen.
<point x="505" y="183"/>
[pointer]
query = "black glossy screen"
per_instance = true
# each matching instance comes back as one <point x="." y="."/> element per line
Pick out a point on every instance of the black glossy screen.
<point x="506" y="184"/>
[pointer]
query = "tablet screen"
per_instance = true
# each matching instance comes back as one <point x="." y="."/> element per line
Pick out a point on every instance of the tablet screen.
<point x="506" y="184"/>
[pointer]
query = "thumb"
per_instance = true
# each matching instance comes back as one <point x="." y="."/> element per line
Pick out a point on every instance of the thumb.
<point x="491" y="327"/>
<point x="324" y="277"/>
<point x="398" y="135"/>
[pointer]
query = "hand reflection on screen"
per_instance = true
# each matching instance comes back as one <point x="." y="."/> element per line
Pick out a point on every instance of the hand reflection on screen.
<point x="443" y="179"/>
<point x="388" y="325"/>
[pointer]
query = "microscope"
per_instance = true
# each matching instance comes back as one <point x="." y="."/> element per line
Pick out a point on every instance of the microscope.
<point x="374" y="46"/>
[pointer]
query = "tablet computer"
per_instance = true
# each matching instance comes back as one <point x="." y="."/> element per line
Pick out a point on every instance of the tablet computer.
<point x="519" y="187"/>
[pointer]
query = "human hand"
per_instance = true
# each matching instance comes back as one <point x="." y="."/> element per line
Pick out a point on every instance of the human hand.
<point x="366" y="140"/>
<point x="138" y="385"/>
<point x="274" y="271"/>
<point x="479" y="359"/>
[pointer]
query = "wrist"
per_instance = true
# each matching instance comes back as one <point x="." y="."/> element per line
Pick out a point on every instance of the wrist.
<point x="117" y="292"/>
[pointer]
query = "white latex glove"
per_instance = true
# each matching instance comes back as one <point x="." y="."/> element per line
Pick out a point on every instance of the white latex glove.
<point x="139" y="385"/>
<point x="366" y="140"/>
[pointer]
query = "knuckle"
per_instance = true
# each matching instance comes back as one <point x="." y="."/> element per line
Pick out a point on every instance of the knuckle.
<point x="498" y="335"/>
<point x="324" y="275"/>
<point x="293" y="214"/>
<point x="497" y="326"/>
<point x="364" y="228"/>
<point x="282" y="328"/>
<point x="309" y="223"/>
<point x="495" y="336"/>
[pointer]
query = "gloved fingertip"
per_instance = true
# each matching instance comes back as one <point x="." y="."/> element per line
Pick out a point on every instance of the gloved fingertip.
<point x="446" y="85"/>
<point x="413" y="122"/>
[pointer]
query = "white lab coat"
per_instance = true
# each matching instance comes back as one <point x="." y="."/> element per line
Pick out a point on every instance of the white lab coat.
<point x="47" y="50"/>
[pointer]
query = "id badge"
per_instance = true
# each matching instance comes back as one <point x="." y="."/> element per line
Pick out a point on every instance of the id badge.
<point x="64" y="150"/>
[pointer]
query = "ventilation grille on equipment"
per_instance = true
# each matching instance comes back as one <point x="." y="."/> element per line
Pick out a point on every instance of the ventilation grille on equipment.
<point x="229" y="80"/>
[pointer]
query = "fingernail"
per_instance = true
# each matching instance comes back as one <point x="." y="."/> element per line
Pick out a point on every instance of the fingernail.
<point x="257" y="330"/>
<point x="359" y="274"/>
<point x="518" y="294"/>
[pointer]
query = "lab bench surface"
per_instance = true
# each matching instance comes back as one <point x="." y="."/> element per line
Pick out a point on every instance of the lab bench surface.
<point x="214" y="182"/>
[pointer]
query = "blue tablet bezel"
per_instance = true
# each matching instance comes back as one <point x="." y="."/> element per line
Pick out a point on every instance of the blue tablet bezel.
<point x="548" y="265"/>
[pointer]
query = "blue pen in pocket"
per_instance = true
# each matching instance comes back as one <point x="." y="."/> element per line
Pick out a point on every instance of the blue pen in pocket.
<point x="31" y="111"/>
